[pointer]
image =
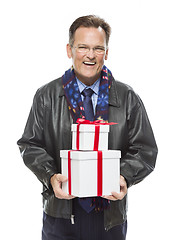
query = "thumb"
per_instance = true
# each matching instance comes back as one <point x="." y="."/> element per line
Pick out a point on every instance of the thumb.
<point x="61" y="178"/>
<point x="122" y="181"/>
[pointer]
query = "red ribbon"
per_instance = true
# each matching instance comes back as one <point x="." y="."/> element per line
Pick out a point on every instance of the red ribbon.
<point x="97" y="124"/>
<point x="99" y="173"/>
<point x="69" y="172"/>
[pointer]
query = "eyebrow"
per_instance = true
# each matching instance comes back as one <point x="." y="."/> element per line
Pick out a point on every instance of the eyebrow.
<point x="83" y="44"/>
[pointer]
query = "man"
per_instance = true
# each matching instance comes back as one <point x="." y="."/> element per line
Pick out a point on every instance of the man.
<point x="48" y="130"/>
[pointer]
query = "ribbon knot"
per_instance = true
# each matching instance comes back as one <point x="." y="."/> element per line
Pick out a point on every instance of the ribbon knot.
<point x="97" y="124"/>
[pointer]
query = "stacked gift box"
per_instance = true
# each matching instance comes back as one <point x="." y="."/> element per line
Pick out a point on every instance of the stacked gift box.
<point x="91" y="169"/>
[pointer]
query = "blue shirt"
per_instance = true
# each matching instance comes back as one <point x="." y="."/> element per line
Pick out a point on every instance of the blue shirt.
<point x="94" y="87"/>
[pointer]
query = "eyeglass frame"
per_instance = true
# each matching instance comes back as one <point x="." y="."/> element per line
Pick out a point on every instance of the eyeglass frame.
<point x="86" y="49"/>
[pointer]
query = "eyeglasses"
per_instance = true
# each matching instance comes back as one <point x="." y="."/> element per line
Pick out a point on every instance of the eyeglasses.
<point x="99" y="50"/>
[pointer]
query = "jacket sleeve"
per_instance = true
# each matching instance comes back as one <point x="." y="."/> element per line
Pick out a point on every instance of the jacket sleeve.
<point x="32" y="144"/>
<point x="140" y="158"/>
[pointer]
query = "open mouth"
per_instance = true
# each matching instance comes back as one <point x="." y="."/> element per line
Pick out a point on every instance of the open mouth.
<point x="89" y="63"/>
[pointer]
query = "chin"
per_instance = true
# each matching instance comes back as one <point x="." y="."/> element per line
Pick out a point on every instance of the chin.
<point x="88" y="80"/>
<point x="87" y="77"/>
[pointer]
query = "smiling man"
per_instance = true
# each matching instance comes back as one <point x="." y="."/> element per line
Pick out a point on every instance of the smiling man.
<point x="88" y="52"/>
<point x="87" y="90"/>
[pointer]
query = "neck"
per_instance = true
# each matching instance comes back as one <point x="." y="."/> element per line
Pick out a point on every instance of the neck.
<point x="87" y="81"/>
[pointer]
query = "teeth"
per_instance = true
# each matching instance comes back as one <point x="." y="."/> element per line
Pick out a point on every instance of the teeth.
<point x="89" y="63"/>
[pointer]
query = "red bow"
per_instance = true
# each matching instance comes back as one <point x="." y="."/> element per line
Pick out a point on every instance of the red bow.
<point x="97" y="124"/>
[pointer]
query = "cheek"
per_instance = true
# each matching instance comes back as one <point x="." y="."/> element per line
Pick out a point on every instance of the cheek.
<point x="77" y="60"/>
<point x="101" y="60"/>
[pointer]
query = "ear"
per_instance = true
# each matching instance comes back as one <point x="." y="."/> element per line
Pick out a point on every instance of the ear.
<point x="69" y="50"/>
<point x="106" y="55"/>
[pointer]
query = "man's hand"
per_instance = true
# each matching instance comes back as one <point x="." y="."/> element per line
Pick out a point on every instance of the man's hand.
<point x="56" y="182"/>
<point x="123" y="191"/>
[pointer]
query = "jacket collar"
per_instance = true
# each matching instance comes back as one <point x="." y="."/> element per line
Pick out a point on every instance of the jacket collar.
<point x="113" y="96"/>
<point x="61" y="92"/>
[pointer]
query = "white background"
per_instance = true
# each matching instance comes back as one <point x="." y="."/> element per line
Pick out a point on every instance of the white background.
<point x="143" y="53"/>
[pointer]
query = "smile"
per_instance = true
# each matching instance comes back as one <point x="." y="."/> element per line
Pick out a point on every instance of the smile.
<point x="89" y="63"/>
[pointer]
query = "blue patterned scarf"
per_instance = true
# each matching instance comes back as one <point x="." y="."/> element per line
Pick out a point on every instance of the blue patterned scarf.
<point x="73" y="95"/>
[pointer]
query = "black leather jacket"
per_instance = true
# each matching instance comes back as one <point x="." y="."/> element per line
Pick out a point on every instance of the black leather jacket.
<point x="48" y="130"/>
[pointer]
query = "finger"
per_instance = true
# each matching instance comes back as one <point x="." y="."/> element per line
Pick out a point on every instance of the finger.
<point x="71" y="197"/>
<point x="118" y="196"/>
<point x="123" y="183"/>
<point x="59" y="193"/>
<point x="61" y="178"/>
<point x="109" y="197"/>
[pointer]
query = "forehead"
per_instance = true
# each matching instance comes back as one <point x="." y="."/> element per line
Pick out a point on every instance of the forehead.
<point x="91" y="35"/>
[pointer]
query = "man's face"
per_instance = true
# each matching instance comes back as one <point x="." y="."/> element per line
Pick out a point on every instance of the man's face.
<point x="88" y="65"/>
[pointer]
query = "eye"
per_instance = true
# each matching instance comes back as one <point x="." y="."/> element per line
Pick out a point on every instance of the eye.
<point x="99" y="49"/>
<point x="82" y="47"/>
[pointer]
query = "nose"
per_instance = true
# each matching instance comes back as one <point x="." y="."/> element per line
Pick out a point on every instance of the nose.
<point x="90" y="54"/>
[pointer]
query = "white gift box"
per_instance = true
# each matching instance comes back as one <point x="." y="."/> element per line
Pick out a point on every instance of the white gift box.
<point x="88" y="138"/>
<point x="88" y="176"/>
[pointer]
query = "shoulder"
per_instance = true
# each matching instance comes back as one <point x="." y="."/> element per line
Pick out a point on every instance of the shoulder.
<point x="120" y="86"/>
<point x="121" y="89"/>
<point x="51" y="90"/>
<point x="126" y="93"/>
<point x="54" y="87"/>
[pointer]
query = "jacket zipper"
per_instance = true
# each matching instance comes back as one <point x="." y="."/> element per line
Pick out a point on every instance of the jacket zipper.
<point x="72" y="219"/>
